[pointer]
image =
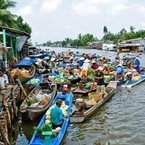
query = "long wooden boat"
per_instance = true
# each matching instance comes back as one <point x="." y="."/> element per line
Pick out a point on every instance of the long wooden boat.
<point x="59" y="137"/>
<point x="35" y="80"/>
<point x="78" y="117"/>
<point x="39" y="99"/>
<point x="77" y="90"/>
<point x="131" y="83"/>
<point x="23" y="75"/>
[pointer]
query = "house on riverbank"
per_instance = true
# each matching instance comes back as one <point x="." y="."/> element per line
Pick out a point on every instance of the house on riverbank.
<point x="133" y="45"/>
<point x="14" y="41"/>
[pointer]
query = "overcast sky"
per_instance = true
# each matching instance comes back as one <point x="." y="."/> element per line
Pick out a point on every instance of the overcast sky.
<point x="59" y="19"/>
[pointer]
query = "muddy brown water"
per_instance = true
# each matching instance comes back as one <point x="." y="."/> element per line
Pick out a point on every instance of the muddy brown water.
<point x="121" y="121"/>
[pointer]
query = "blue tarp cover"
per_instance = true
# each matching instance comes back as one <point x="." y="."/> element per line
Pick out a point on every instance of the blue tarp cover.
<point x="25" y="62"/>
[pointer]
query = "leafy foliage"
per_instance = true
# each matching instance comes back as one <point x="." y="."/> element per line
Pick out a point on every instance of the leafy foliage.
<point x="8" y="19"/>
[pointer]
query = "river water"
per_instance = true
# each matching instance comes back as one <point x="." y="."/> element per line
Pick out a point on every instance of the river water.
<point x="121" y="121"/>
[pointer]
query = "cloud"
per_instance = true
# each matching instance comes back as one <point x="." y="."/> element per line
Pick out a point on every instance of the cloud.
<point x="143" y="24"/>
<point x="25" y="11"/>
<point x="85" y="8"/>
<point x="50" y="6"/>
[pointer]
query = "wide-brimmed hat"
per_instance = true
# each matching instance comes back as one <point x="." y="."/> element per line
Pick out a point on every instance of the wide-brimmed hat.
<point x="93" y="61"/>
<point x="119" y="64"/>
<point x="39" y="60"/>
<point x="136" y="58"/>
<point x="52" y="59"/>
<point x="100" y="68"/>
<point x="59" y="101"/>
<point x="87" y="60"/>
<point x="81" y="58"/>
<point x="80" y="100"/>
<point x="133" y="70"/>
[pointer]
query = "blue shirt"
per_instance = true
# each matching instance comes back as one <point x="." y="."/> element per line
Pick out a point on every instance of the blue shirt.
<point x="56" y="115"/>
<point x="119" y="70"/>
<point x="80" y="62"/>
<point x="137" y="65"/>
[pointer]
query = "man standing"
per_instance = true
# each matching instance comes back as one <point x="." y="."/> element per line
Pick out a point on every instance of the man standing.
<point x="100" y="80"/>
<point x="137" y="64"/>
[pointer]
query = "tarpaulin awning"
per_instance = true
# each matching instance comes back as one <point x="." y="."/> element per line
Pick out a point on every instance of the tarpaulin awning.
<point x="25" y="62"/>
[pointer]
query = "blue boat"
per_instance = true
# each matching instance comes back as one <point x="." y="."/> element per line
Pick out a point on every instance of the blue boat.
<point x="59" y="137"/>
<point x="130" y="84"/>
<point x="35" y="80"/>
<point x="39" y="55"/>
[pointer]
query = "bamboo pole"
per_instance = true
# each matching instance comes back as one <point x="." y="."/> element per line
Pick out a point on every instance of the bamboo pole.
<point x="24" y="92"/>
<point x="4" y="133"/>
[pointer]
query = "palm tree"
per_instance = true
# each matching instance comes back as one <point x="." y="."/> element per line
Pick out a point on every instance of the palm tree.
<point x="6" y="18"/>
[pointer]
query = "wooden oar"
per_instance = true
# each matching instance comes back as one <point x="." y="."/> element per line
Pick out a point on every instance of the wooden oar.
<point x="126" y="83"/>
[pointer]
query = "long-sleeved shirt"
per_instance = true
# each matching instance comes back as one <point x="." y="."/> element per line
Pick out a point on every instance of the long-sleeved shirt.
<point x="56" y="115"/>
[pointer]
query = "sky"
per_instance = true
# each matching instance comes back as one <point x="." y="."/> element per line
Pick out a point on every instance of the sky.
<point x="56" y="20"/>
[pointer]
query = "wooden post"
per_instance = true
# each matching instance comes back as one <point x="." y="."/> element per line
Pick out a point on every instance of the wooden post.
<point x="24" y="92"/>
<point x="6" y="111"/>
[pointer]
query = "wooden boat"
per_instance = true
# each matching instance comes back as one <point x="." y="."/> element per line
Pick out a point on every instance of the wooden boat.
<point x="23" y="75"/>
<point x="58" y="138"/>
<point x="39" y="99"/>
<point x="78" y="117"/>
<point x="82" y="90"/>
<point x="77" y="90"/>
<point x="59" y="82"/>
<point x="131" y="83"/>
<point x="35" y="80"/>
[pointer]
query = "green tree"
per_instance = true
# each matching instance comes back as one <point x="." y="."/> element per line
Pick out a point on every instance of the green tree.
<point x="6" y="18"/>
<point x="23" y="26"/>
<point x="105" y="30"/>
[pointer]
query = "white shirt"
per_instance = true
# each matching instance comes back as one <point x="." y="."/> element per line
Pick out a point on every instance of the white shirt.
<point x="6" y="78"/>
<point x="2" y="82"/>
<point x="86" y="66"/>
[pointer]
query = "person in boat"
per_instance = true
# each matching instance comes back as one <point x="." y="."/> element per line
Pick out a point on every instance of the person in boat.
<point x="2" y="81"/>
<point x="118" y="71"/>
<point x="68" y="67"/>
<point x="128" y="76"/>
<point x="137" y="64"/>
<point x="99" y="77"/>
<point x="80" y="61"/>
<point x="52" y="63"/>
<point x="106" y="69"/>
<point x="94" y="65"/>
<point x="57" y="115"/>
<point x="85" y="68"/>
<point x="135" y="75"/>
<point x="80" y="105"/>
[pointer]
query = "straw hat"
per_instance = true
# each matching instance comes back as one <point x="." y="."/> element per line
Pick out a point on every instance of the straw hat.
<point x="134" y="70"/>
<point x="80" y="100"/>
<point x="100" y="68"/>
<point x="93" y="61"/>
<point x="119" y="65"/>
<point x="81" y="58"/>
<point x="128" y="73"/>
<point x="39" y="60"/>
<point x="52" y="59"/>
<point x="87" y="60"/>
<point x="136" y="58"/>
